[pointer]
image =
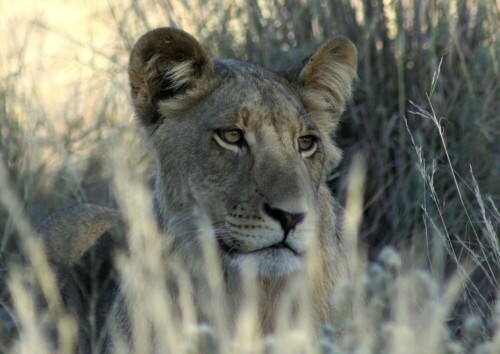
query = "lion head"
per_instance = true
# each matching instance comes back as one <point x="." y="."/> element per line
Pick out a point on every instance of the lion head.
<point x="242" y="148"/>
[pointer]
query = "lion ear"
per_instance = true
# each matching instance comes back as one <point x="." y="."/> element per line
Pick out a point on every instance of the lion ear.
<point x="165" y="63"/>
<point x="326" y="81"/>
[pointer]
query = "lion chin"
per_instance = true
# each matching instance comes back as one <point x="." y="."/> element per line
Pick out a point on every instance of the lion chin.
<point x="270" y="262"/>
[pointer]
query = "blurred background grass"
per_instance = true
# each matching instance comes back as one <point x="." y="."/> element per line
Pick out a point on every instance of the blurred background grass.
<point x="64" y="100"/>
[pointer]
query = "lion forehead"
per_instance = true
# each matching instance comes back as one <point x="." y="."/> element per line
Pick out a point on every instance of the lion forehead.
<point x="252" y="82"/>
<point x="253" y="98"/>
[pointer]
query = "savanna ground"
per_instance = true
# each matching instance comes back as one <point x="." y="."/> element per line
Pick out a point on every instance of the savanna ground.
<point x="424" y="119"/>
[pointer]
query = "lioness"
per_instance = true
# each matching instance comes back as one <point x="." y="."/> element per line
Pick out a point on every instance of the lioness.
<point x="243" y="152"/>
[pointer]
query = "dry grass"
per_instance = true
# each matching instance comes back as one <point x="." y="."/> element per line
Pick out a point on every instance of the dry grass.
<point x="424" y="115"/>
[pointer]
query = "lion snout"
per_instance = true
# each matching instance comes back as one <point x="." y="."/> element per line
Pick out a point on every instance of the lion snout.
<point x="287" y="220"/>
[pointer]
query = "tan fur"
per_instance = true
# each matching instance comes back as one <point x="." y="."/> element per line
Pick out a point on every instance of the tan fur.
<point x="243" y="195"/>
<point x="70" y="232"/>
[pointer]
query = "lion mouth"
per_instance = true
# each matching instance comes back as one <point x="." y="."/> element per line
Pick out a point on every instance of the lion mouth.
<point x="234" y="249"/>
<point x="277" y="260"/>
<point x="278" y="246"/>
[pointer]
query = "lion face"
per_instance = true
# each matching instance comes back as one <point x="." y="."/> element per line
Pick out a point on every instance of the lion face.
<point x="252" y="165"/>
<point x="239" y="147"/>
<point x="258" y="162"/>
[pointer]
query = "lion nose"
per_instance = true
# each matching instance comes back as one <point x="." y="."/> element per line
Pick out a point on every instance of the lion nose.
<point x="287" y="220"/>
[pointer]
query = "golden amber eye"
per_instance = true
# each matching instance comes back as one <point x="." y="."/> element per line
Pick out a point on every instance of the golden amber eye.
<point x="231" y="136"/>
<point x="307" y="143"/>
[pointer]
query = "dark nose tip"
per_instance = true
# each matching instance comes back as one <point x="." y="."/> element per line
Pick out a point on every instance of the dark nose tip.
<point x="287" y="220"/>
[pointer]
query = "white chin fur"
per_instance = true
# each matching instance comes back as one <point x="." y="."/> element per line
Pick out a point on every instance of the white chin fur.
<point x="271" y="262"/>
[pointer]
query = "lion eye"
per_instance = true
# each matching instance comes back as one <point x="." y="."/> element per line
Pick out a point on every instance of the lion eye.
<point x="232" y="136"/>
<point x="307" y="145"/>
<point x="232" y="139"/>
